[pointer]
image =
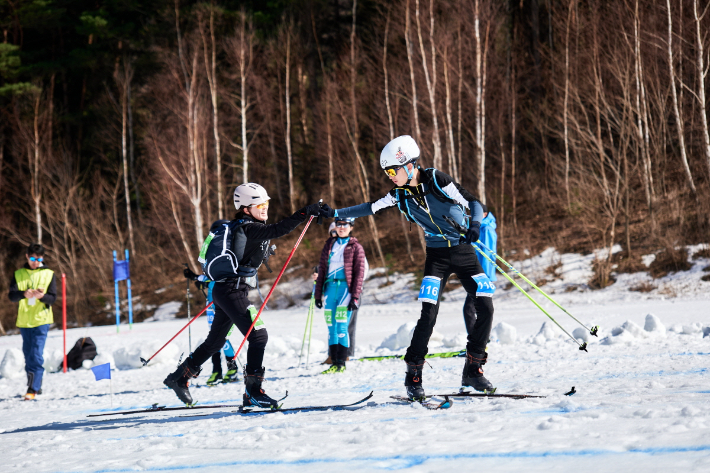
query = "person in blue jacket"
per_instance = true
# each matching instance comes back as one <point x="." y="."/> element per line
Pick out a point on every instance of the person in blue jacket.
<point x="489" y="238"/>
<point x="432" y="199"/>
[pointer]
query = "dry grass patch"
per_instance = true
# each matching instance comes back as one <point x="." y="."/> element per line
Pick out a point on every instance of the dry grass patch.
<point x="643" y="287"/>
<point x="669" y="260"/>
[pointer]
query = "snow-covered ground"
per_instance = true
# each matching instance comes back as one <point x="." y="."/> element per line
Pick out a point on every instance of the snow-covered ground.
<point x="642" y="401"/>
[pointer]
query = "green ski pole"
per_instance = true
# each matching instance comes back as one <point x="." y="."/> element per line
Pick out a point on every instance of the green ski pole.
<point x="310" y="334"/>
<point x="594" y="330"/>
<point x="460" y="229"/>
<point x="311" y="308"/>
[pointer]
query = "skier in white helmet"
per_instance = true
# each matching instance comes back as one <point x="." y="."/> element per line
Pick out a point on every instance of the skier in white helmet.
<point x="428" y="197"/>
<point x="250" y="236"/>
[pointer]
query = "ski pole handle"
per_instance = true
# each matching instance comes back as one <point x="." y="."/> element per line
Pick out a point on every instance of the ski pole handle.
<point x="145" y="362"/>
<point x="263" y="304"/>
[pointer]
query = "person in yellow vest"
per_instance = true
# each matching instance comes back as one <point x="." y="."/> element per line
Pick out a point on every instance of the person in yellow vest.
<point x="35" y="289"/>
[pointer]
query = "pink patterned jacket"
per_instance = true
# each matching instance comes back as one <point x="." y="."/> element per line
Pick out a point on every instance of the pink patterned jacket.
<point x="354" y="260"/>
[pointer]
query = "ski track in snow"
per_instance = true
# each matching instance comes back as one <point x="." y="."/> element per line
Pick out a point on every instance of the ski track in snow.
<point x="642" y="402"/>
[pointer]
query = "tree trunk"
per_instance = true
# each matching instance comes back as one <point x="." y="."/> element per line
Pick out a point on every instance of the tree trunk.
<point x="702" y="73"/>
<point x="640" y="116"/>
<point x="676" y="110"/>
<point x="210" y="58"/>
<point x="410" y="58"/>
<point x="566" y="105"/>
<point x="288" y="120"/>
<point x="34" y="169"/>
<point x="125" y="84"/>
<point x="430" y="80"/>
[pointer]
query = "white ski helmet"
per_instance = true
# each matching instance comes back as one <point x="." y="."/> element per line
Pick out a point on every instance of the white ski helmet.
<point x="249" y="194"/>
<point x="398" y="152"/>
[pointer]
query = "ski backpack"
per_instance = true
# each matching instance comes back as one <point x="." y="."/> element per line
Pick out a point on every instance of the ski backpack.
<point x="401" y="196"/>
<point x="222" y="250"/>
<point x="84" y="349"/>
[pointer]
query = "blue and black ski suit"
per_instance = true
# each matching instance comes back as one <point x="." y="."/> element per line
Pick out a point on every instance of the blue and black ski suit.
<point x="425" y="204"/>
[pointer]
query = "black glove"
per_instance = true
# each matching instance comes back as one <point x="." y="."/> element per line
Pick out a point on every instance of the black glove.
<point x="353" y="304"/>
<point x="326" y="211"/>
<point x="200" y="285"/>
<point x="309" y="210"/>
<point x="189" y="274"/>
<point x="474" y="229"/>
<point x="319" y="303"/>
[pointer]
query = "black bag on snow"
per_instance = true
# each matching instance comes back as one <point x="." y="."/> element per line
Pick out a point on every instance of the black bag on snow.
<point x="84" y="349"/>
<point x="222" y="250"/>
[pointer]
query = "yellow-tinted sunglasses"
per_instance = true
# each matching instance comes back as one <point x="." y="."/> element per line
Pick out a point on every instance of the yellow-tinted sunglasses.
<point x="391" y="172"/>
<point x="263" y="205"/>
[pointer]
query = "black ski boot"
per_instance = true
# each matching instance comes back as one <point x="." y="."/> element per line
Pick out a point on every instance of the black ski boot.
<point x="254" y="395"/>
<point x="232" y="372"/>
<point x="413" y="381"/>
<point x="179" y="381"/>
<point x="473" y="373"/>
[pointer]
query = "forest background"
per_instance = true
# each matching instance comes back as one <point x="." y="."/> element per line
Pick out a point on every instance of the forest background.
<point x="127" y="124"/>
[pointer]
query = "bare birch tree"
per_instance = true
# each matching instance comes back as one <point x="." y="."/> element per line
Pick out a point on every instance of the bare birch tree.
<point x="410" y="58"/>
<point x="676" y="110"/>
<point x="287" y="97"/>
<point x="430" y="79"/>
<point x="210" y="59"/>
<point x="123" y="80"/>
<point x="702" y="74"/>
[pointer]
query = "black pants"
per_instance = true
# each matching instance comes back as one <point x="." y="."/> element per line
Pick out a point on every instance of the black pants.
<point x="217" y="363"/>
<point x="442" y="262"/>
<point x="351" y="333"/>
<point x="230" y="304"/>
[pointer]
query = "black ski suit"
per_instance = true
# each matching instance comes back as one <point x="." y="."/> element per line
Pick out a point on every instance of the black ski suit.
<point x="426" y="204"/>
<point x="231" y="298"/>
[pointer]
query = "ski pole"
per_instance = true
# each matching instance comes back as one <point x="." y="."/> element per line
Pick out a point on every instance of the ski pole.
<point x="258" y="314"/>
<point x="460" y="229"/>
<point x="145" y="362"/>
<point x="189" y="330"/>
<point x="310" y="335"/>
<point x="310" y="313"/>
<point x="592" y="331"/>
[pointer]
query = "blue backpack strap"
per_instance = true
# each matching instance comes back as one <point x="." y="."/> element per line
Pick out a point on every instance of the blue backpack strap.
<point x="402" y="203"/>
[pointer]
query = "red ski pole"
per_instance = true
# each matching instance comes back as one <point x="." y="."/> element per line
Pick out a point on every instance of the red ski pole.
<point x="258" y="314"/>
<point x="145" y="362"/>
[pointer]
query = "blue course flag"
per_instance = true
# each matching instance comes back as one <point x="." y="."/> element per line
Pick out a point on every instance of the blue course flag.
<point x="102" y="371"/>
<point x="120" y="270"/>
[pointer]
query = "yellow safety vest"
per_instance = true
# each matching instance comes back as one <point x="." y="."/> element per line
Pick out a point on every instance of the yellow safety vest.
<point x="29" y="316"/>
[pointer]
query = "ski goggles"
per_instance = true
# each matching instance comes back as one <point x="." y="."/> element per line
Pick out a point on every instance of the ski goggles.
<point x="391" y="172"/>
<point x="263" y="205"/>
<point x="33" y="259"/>
<point x="342" y="224"/>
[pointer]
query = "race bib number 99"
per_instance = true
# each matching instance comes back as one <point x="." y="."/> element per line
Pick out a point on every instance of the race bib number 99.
<point x="429" y="291"/>
<point x="486" y="288"/>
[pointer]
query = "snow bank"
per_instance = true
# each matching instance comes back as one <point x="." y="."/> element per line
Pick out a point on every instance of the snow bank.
<point x="457" y="341"/>
<point x="628" y="332"/>
<point x="506" y="333"/>
<point x="53" y="361"/>
<point x="13" y="364"/>
<point x="165" y="311"/>
<point x="128" y="358"/>
<point x="291" y="347"/>
<point x="653" y="324"/>
<point x="403" y="337"/>
<point x="548" y="331"/>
